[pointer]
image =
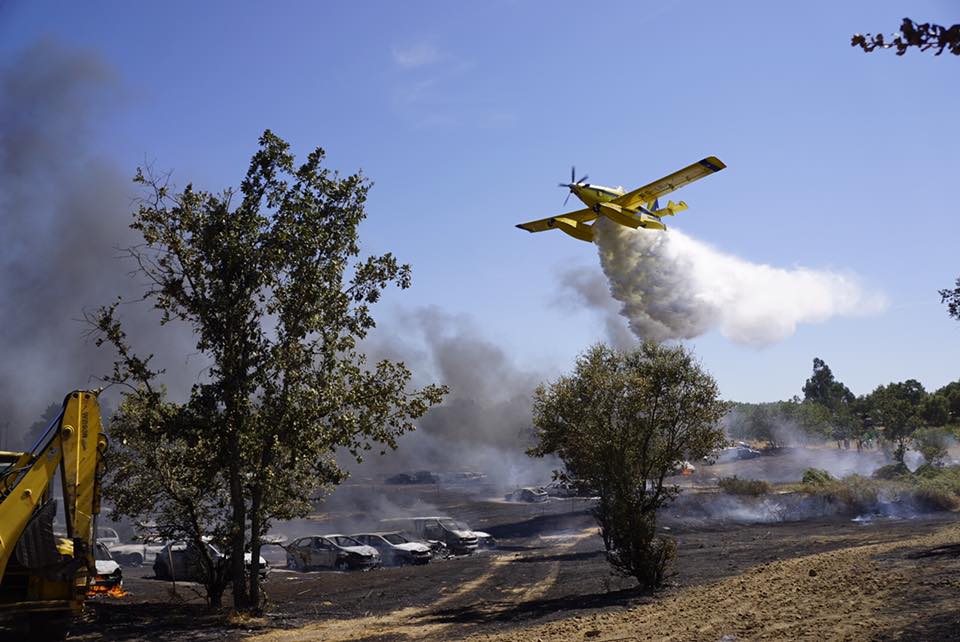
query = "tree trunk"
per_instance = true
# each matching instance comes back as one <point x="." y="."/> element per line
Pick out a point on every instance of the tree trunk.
<point x="238" y="531"/>
<point x="255" y="524"/>
<point x="215" y="597"/>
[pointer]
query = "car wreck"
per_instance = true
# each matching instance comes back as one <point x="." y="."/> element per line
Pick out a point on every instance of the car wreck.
<point x="396" y="549"/>
<point x="456" y="536"/>
<point x="182" y="561"/>
<point x="419" y="477"/>
<point x="109" y="574"/>
<point x="529" y="494"/>
<point x="337" y="552"/>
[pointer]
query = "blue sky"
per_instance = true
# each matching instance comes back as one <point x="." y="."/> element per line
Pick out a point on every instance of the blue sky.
<point x="467" y="115"/>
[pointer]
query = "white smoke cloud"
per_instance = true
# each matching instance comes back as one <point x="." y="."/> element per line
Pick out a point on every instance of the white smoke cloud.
<point x="672" y="286"/>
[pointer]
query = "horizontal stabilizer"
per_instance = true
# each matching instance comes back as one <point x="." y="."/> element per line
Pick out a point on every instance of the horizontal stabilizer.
<point x="544" y="224"/>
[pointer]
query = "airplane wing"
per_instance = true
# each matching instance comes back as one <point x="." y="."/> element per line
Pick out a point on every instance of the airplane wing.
<point x="544" y="224"/>
<point x="667" y="184"/>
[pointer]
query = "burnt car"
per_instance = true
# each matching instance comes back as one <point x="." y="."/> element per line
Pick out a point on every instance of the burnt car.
<point x="737" y="452"/>
<point x="570" y="488"/>
<point x="395" y="549"/>
<point x="338" y="552"/>
<point x="182" y="561"/>
<point x="684" y="468"/>
<point x="419" y="477"/>
<point x="529" y="494"/>
<point x="109" y="575"/>
<point x="457" y="536"/>
<point x="561" y="489"/>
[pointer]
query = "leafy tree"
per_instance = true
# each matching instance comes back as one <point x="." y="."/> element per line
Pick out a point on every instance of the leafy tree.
<point x="273" y="289"/>
<point x="823" y="389"/>
<point x="951" y="392"/>
<point x="621" y="422"/>
<point x="154" y="473"/>
<point x="923" y="36"/>
<point x="896" y="408"/>
<point x="932" y="444"/>
<point x="935" y="410"/>
<point x="952" y="299"/>
<point x="862" y="427"/>
<point x="778" y="423"/>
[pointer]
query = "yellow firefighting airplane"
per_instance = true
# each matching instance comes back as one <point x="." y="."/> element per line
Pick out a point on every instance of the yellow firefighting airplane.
<point x="639" y="208"/>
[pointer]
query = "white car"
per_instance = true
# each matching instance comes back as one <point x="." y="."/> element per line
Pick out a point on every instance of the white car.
<point x="135" y="554"/>
<point x="109" y="574"/>
<point x="395" y="549"/>
<point x="107" y="535"/>
<point x="180" y="561"/>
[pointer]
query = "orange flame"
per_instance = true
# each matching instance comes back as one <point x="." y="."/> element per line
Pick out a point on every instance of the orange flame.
<point x="112" y="591"/>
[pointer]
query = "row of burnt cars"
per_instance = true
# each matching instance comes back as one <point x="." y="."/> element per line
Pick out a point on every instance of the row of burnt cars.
<point x="399" y="541"/>
<point x="408" y="540"/>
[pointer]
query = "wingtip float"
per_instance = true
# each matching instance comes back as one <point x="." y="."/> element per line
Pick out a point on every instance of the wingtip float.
<point x="638" y="208"/>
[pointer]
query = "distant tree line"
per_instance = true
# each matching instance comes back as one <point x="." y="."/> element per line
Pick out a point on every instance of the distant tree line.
<point x="898" y="415"/>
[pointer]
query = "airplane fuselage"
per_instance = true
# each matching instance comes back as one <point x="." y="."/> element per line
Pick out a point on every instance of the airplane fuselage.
<point x="592" y="195"/>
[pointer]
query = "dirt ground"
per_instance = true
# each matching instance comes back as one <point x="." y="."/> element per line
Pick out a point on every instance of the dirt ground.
<point x="829" y="578"/>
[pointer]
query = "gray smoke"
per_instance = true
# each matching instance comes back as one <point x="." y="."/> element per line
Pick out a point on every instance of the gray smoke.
<point x="63" y="212"/>
<point x="583" y="286"/>
<point x="484" y="424"/>
<point x="671" y="286"/>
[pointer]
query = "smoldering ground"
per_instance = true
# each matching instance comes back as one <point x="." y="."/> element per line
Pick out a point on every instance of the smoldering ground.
<point x="672" y="286"/>
<point x="64" y="211"/>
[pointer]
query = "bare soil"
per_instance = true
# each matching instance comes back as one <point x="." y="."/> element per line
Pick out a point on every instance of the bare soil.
<point x="829" y="578"/>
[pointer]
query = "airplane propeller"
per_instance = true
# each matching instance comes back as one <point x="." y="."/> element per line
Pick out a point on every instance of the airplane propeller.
<point x="573" y="183"/>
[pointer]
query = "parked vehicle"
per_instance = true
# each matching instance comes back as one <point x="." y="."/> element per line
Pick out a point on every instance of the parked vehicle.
<point x="419" y="477"/>
<point x="107" y="535"/>
<point x="456" y="535"/>
<point x="684" y="468"/>
<point x="109" y="573"/>
<point x="395" y="549"/>
<point x="182" y="561"/>
<point x="737" y="452"/>
<point x="561" y="489"/>
<point x="529" y="494"/>
<point x="570" y="488"/>
<point x="135" y="554"/>
<point x="464" y="477"/>
<point x="340" y="552"/>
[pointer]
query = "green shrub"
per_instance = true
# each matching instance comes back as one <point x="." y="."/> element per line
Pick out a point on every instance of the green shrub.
<point x="932" y="444"/>
<point x="892" y="471"/>
<point x="630" y="538"/>
<point x="816" y="476"/>
<point x="930" y="488"/>
<point x="736" y="486"/>
<point x="937" y="493"/>
<point x="857" y="493"/>
<point x="927" y="471"/>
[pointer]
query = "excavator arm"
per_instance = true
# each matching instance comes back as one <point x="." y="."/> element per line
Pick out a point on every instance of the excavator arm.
<point x="40" y="582"/>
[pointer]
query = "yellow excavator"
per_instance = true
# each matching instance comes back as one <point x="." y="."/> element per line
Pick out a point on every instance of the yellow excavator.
<point x="44" y="578"/>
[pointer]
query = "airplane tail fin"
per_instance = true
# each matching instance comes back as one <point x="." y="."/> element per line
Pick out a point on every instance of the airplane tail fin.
<point x="676" y="207"/>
